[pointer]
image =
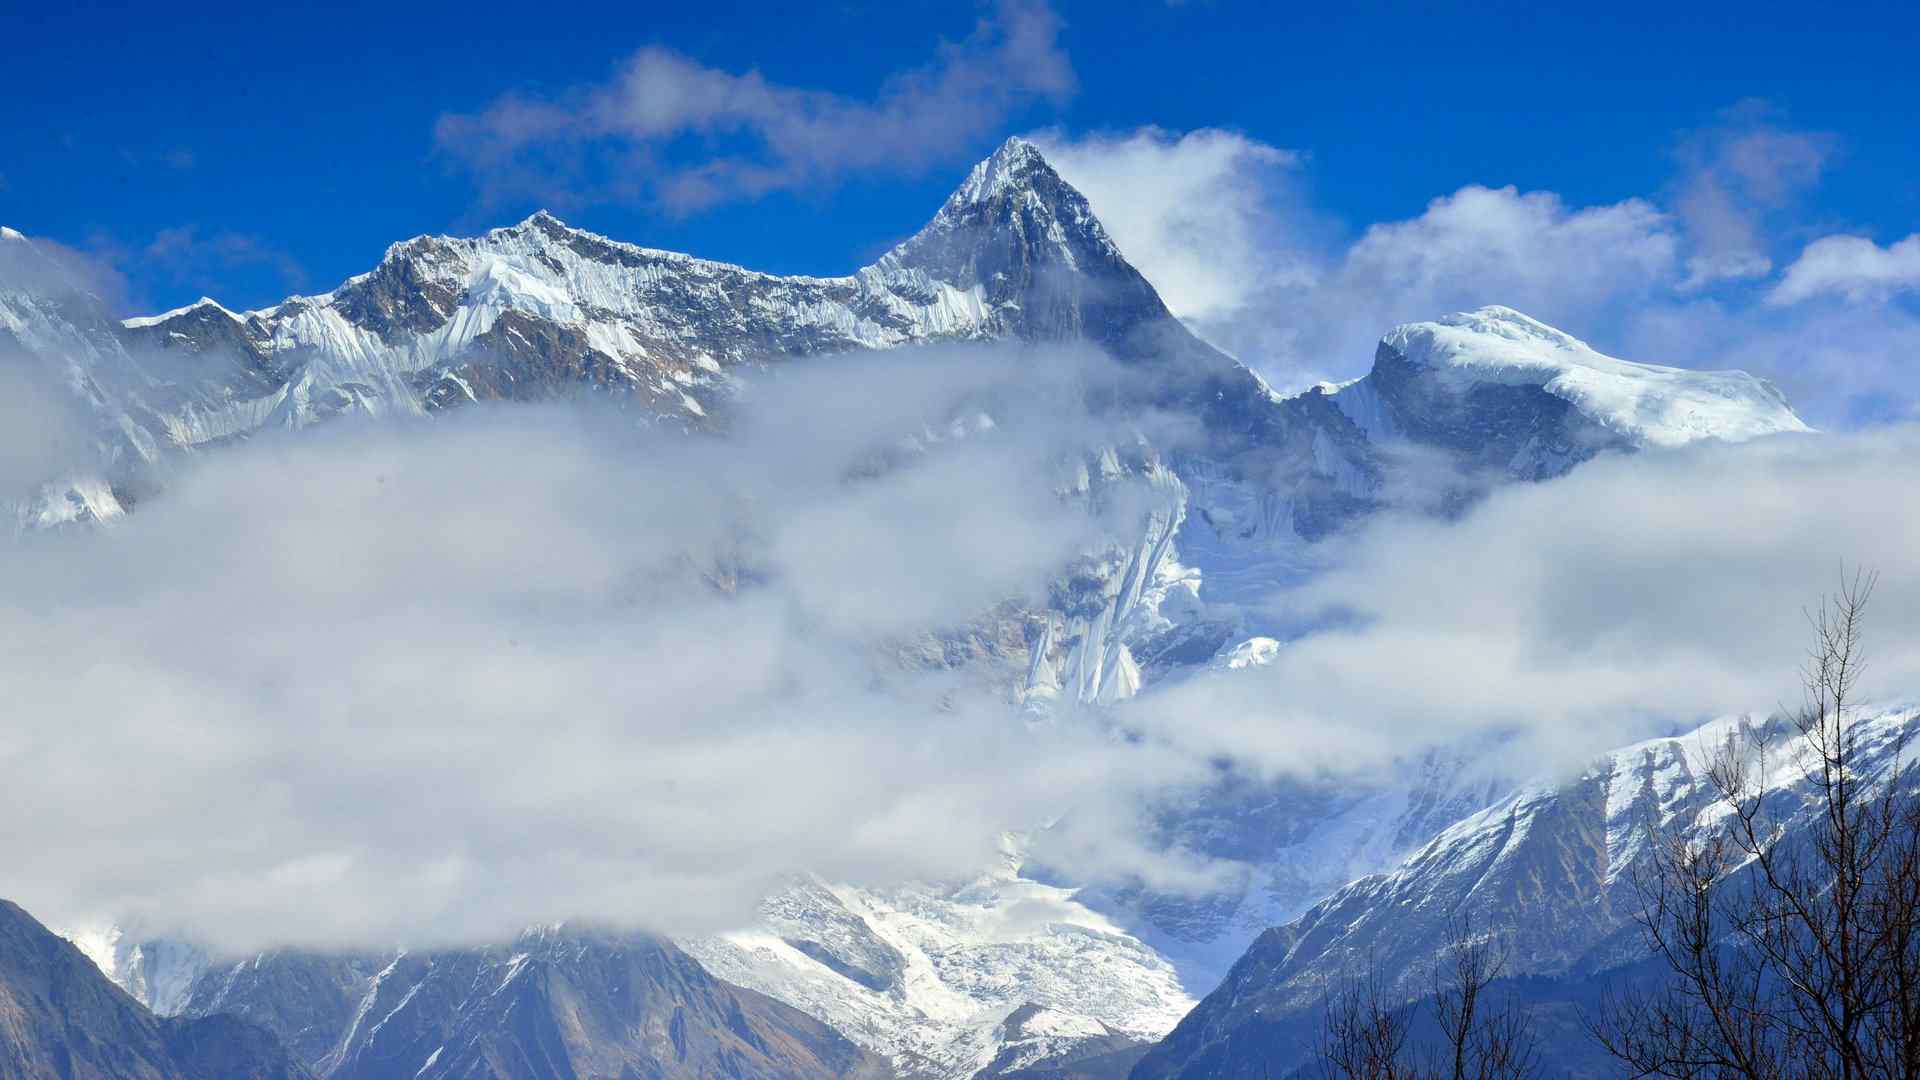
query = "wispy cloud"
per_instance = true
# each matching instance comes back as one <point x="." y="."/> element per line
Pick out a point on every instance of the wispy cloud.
<point x="193" y="256"/>
<point x="1851" y="267"/>
<point x="1735" y="178"/>
<point x="1218" y="223"/>
<point x="1204" y="213"/>
<point x="610" y="140"/>
<point x="1685" y="275"/>
<point x="176" y="158"/>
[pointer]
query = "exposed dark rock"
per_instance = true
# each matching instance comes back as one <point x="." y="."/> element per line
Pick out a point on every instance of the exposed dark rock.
<point x="561" y="1004"/>
<point x="61" y="1019"/>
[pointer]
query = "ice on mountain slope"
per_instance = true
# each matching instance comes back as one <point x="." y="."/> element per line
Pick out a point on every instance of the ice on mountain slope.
<point x="1253" y="652"/>
<point x="928" y="976"/>
<point x="1121" y="604"/>
<point x="159" y="974"/>
<point x="80" y="500"/>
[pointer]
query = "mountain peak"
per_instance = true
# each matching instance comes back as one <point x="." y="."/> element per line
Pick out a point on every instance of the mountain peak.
<point x="203" y="302"/>
<point x="1475" y="356"/>
<point x="7" y="233"/>
<point x="1012" y="197"/>
<point x="1022" y="239"/>
<point x="1502" y="321"/>
<point x="1014" y="165"/>
<point x="544" y="220"/>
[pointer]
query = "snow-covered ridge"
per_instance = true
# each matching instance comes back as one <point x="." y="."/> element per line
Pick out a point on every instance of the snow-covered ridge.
<point x="1549" y="872"/>
<point x="203" y="302"/>
<point x="1649" y="404"/>
<point x="1552" y="864"/>
<point x="430" y="325"/>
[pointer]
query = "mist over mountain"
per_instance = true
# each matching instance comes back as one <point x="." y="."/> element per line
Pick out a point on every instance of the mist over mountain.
<point x="548" y="656"/>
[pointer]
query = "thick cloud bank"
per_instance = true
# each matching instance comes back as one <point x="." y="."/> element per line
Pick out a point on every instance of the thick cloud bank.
<point x="438" y="681"/>
<point x="1637" y="595"/>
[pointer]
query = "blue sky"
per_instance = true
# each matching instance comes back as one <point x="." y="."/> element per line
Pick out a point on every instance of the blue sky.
<point x="218" y="149"/>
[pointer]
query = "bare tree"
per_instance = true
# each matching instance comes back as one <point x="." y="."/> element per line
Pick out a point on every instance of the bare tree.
<point x="1792" y="954"/>
<point x="1364" y="1037"/>
<point x="1482" y="1039"/>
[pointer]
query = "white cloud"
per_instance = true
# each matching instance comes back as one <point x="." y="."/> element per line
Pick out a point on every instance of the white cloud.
<point x="436" y="682"/>
<point x="44" y="437"/>
<point x="1211" y="218"/>
<point x="1530" y="247"/>
<point x="440" y="681"/>
<point x="1850" y="267"/>
<point x="1636" y="594"/>
<point x="662" y="677"/>
<point x="1218" y="222"/>
<point x="1734" y="179"/>
<point x="592" y="142"/>
<point x="1571" y="267"/>
<point x="1704" y="270"/>
<point x="1195" y="212"/>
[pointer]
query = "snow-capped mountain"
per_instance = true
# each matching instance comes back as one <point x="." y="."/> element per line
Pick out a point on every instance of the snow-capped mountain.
<point x="560" y="1001"/>
<point x="1513" y="393"/>
<point x="60" y="1017"/>
<point x="991" y="976"/>
<point x="1548" y="870"/>
<point x="945" y="980"/>
<point x="932" y="977"/>
<point x="539" y="309"/>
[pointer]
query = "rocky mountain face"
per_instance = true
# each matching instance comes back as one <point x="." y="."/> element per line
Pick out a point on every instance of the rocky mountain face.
<point x="1547" y="872"/>
<point x="541" y="309"/>
<point x="559" y="1003"/>
<point x="1233" y="512"/>
<point x="61" y="1019"/>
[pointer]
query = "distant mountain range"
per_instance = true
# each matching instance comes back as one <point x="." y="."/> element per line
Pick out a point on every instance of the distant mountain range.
<point x="927" y="979"/>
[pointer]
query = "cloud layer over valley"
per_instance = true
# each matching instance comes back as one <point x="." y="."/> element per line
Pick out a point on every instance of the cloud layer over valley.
<point x="521" y="664"/>
<point x="443" y="680"/>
